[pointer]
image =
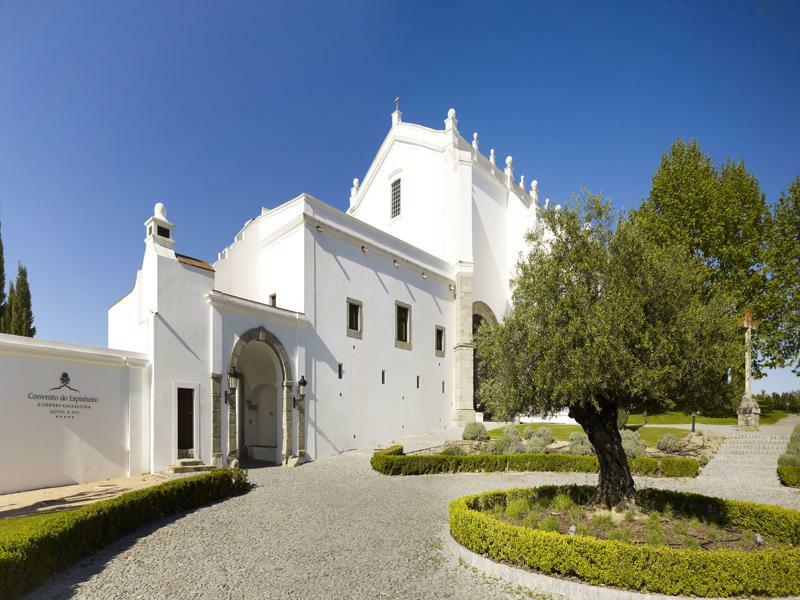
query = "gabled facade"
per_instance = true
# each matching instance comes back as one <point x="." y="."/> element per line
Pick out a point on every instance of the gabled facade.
<point x="372" y="309"/>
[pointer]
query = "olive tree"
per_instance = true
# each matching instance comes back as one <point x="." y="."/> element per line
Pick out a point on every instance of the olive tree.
<point x="603" y="320"/>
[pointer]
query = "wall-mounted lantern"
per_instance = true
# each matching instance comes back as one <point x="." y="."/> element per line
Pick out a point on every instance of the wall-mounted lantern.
<point x="301" y="391"/>
<point x="233" y="378"/>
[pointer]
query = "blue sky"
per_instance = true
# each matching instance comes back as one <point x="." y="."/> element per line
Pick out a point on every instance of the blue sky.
<point x="219" y="108"/>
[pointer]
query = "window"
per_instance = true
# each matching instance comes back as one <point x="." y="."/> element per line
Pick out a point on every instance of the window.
<point x="341" y="370"/>
<point x="402" y="338"/>
<point x="395" y="211"/>
<point x="354" y="318"/>
<point x="383" y="377"/>
<point x="417" y="381"/>
<point x="439" y="341"/>
<point x="273" y="299"/>
<point x="163" y="231"/>
<point x="443" y="386"/>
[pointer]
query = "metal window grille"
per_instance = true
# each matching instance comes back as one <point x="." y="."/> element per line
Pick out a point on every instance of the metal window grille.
<point x="395" y="198"/>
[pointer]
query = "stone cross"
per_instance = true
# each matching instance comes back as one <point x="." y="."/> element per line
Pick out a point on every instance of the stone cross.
<point x="749" y="410"/>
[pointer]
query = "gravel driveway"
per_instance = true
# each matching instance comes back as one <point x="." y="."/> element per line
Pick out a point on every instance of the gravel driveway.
<point x="329" y="529"/>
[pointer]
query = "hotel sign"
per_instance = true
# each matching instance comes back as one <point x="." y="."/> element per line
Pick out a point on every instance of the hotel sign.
<point x="61" y="402"/>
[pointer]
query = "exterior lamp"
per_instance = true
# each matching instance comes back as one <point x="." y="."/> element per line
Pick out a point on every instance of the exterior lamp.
<point x="301" y="391"/>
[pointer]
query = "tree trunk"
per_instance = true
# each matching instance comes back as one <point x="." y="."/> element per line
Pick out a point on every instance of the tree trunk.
<point x="615" y="483"/>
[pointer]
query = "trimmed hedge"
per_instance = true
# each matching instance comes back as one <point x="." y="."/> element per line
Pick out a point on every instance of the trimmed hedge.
<point x="653" y="569"/>
<point x="58" y="540"/>
<point x="392" y="461"/>
<point x="789" y="476"/>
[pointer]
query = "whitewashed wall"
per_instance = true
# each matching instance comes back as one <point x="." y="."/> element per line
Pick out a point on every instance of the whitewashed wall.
<point x="51" y="437"/>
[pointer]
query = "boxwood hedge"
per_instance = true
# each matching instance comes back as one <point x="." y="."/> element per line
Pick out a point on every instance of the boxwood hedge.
<point x="653" y="569"/>
<point x="54" y="541"/>
<point x="392" y="461"/>
<point x="789" y="475"/>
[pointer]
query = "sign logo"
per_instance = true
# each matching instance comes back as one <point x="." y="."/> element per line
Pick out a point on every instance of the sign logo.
<point x="61" y="404"/>
<point x="65" y="384"/>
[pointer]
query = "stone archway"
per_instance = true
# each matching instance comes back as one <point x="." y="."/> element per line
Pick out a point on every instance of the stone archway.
<point x="260" y="334"/>
<point x="481" y="313"/>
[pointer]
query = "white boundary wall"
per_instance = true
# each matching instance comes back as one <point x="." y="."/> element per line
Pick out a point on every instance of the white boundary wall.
<point x="86" y="426"/>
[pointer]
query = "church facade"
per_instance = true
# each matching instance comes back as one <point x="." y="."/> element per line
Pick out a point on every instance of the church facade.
<point x="317" y="331"/>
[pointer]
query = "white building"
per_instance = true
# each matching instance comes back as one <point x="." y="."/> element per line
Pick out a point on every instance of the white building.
<point x="373" y="308"/>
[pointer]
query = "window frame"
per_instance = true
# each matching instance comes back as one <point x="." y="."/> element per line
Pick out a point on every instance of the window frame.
<point x="399" y="182"/>
<point x="398" y="343"/>
<point x="436" y="330"/>
<point x="354" y="333"/>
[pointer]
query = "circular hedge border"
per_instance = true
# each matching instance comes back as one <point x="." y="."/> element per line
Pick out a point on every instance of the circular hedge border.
<point x="639" y="567"/>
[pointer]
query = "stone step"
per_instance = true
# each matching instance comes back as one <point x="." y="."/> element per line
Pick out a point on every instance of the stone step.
<point x="189" y="468"/>
<point x="189" y="462"/>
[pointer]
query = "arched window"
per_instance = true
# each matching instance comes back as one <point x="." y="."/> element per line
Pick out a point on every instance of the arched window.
<point x="395" y="204"/>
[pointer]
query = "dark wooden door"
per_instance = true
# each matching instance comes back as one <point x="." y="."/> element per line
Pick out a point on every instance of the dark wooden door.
<point x="185" y="418"/>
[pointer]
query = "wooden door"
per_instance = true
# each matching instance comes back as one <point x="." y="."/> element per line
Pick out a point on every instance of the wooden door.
<point x="185" y="419"/>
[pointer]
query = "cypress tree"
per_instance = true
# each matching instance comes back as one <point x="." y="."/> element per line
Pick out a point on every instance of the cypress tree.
<point x="23" y="311"/>
<point x="3" y="327"/>
<point x="8" y="316"/>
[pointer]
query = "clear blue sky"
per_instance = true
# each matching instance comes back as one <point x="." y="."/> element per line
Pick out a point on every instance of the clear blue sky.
<point x="219" y="108"/>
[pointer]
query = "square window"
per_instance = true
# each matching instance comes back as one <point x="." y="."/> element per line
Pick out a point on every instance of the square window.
<point x="395" y="205"/>
<point x="354" y="315"/>
<point x="402" y="337"/>
<point x="439" y="341"/>
<point x="163" y="231"/>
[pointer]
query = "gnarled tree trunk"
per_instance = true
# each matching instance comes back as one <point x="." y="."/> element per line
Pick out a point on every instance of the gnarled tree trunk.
<point x="615" y="483"/>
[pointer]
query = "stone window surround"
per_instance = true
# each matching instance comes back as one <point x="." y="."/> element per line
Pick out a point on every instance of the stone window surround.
<point x="437" y="328"/>
<point x="354" y="333"/>
<point x="399" y="343"/>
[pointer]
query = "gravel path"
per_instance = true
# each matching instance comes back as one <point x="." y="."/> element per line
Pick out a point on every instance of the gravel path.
<point x="329" y="529"/>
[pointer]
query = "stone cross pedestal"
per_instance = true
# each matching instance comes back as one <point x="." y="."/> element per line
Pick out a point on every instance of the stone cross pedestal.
<point x="749" y="411"/>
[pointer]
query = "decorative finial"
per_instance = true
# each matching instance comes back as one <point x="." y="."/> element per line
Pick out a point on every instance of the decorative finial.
<point x="355" y="183"/>
<point x="558" y="207"/>
<point x="509" y="162"/>
<point x="491" y="156"/>
<point x="475" y="141"/>
<point x="160" y="211"/>
<point x="397" y="103"/>
<point x="522" y="182"/>
<point x="546" y="202"/>
<point x="451" y="114"/>
<point x="451" y="123"/>
<point x="535" y="190"/>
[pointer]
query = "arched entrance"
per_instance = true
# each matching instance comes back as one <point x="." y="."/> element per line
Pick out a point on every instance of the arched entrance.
<point x="260" y="419"/>
<point x="481" y="313"/>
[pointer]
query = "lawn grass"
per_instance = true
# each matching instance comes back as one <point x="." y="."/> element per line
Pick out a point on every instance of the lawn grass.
<point x="768" y="416"/>
<point x="562" y="431"/>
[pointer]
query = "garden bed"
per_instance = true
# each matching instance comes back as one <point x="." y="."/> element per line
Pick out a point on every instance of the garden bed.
<point x="754" y="551"/>
<point x="392" y="461"/>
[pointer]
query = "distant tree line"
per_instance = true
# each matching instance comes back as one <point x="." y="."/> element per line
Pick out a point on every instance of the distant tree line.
<point x="16" y="313"/>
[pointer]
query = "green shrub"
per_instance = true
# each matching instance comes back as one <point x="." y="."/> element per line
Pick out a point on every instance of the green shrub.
<point x="392" y="461"/>
<point x="475" y="431"/>
<point x="535" y="445"/>
<point x="652" y="569"/>
<point x="633" y="444"/>
<point x="679" y="467"/>
<point x="53" y="542"/>
<point x="622" y="417"/>
<point x="510" y="442"/>
<point x="789" y="475"/>
<point x="517" y="508"/>
<point x="543" y="433"/>
<point x="452" y="450"/>
<point x="669" y="443"/>
<point x="789" y="460"/>
<point x="702" y="460"/>
<point x="579" y="444"/>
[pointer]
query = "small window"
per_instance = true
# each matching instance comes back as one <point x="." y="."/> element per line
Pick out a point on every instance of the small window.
<point x="395" y="208"/>
<point x="273" y="299"/>
<point x="417" y="381"/>
<point x="443" y="386"/>
<point x="383" y="377"/>
<point x="341" y="370"/>
<point x="163" y="231"/>
<point x="402" y="337"/>
<point x="149" y="230"/>
<point x="354" y="318"/>
<point x="439" y="341"/>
